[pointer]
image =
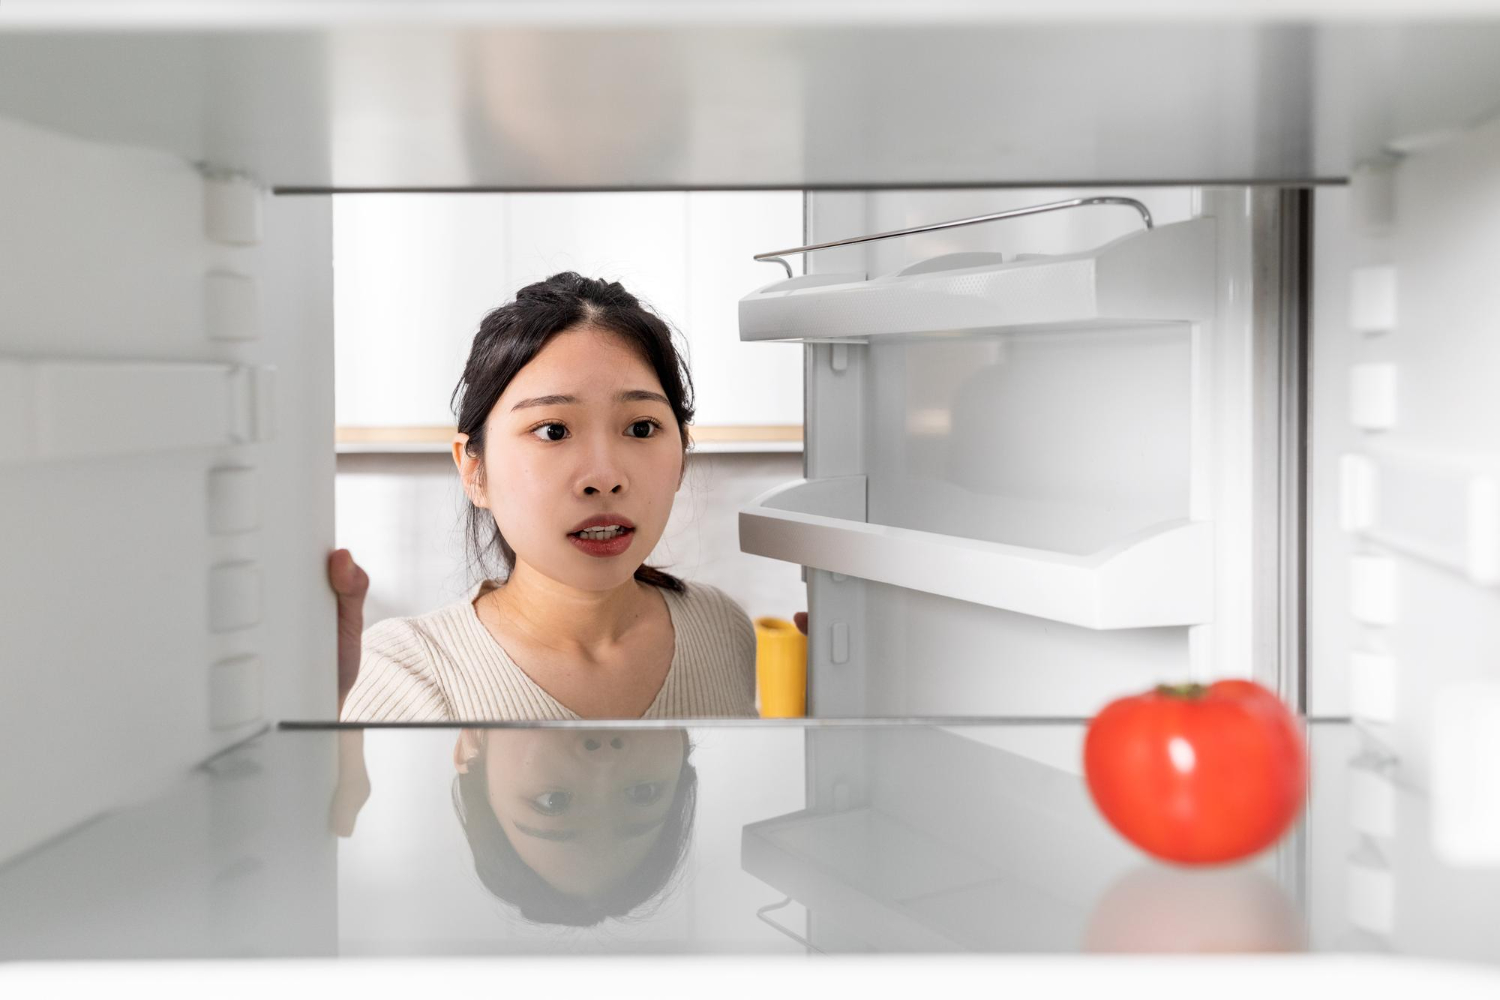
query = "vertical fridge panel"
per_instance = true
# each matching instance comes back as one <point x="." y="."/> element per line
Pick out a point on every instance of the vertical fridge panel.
<point x="1419" y="481"/>
<point x="165" y="470"/>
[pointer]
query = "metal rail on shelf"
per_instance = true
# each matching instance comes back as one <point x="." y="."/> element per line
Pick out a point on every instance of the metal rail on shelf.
<point x="777" y="256"/>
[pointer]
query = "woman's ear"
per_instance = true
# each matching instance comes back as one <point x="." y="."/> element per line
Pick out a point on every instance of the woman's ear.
<point x="465" y="750"/>
<point x="468" y="469"/>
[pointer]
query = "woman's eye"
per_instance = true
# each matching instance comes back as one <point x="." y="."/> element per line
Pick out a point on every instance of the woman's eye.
<point x="644" y="792"/>
<point x="551" y="803"/>
<point x="544" y="430"/>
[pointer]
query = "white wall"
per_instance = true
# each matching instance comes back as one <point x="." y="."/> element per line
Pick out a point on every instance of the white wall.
<point x="417" y="272"/>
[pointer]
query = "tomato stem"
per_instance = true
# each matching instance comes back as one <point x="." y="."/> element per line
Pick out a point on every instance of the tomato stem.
<point x="1193" y="690"/>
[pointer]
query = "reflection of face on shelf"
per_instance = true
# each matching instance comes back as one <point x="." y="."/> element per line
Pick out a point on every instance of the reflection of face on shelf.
<point x="582" y="807"/>
<point x="545" y="106"/>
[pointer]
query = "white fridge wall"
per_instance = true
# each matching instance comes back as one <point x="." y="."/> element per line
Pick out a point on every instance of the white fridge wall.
<point x="1331" y="349"/>
<point x="167" y="460"/>
<point x="1420" y="485"/>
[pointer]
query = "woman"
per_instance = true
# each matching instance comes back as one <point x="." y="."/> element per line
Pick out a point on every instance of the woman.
<point x="572" y="441"/>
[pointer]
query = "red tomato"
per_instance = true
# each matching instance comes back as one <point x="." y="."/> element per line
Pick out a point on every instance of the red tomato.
<point x="1195" y="774"/>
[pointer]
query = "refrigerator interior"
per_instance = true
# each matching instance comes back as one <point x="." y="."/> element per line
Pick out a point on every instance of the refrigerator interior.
<point x="166" y="430"/>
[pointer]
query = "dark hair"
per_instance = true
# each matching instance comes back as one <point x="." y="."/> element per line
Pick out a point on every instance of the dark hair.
<point x="511" y="335"/>
<point x="511" y="880"/>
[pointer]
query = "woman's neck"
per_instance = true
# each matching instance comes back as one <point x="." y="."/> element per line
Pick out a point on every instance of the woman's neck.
<point x="565" y="619"/>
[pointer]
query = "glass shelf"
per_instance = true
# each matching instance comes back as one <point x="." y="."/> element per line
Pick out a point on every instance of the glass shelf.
<point x="884" y="836"/>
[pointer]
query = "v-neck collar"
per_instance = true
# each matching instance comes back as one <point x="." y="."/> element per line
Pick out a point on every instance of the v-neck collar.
<point x="471" y="616"/>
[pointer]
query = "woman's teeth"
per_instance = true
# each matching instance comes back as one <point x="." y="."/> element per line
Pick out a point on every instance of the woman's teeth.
<point x="599" y="533"/>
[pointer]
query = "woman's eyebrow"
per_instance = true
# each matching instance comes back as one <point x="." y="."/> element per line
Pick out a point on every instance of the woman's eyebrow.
<point x="532" y="831"/>
<point x="624" y="396"/>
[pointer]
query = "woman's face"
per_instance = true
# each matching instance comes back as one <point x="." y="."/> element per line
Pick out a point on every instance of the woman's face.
<point x="582" y="807"/>
<point x="613" y="448"/>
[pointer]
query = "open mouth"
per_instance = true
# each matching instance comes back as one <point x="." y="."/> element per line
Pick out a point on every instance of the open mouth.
<point x="602" y="544"/>
<point x="600" y="535"/>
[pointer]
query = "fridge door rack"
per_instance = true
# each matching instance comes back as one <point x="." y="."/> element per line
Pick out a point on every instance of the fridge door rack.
<point x="1165" y="274"/>
<point x="1159" y="576"/>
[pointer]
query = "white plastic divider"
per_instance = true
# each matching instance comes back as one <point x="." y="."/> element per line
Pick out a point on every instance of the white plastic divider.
<point x="1165" y="274"/>
<point x="1442" y="507"/>
<point x="1162" y="575"/>
<point x="57" y="408"/>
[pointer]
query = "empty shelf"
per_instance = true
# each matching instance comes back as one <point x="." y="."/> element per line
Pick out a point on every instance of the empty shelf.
<point x="1161" y="575"/>
<point x="1160" y="275"/>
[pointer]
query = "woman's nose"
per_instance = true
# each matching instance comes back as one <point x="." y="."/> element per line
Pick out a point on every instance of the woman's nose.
<point x="606" y="469"/>
<point x="601" y="745"/>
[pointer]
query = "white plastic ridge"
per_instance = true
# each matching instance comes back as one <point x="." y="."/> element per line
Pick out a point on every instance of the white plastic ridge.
<point x="1162" y="575"/>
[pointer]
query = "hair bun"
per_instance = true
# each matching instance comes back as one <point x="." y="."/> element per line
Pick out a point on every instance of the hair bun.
<point x="569" y="285"/>
<point x="561" y="286"/>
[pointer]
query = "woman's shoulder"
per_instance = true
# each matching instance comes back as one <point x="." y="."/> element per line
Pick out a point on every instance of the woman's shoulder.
<point x="421" y="634"/>
<point x="718" y="612"/>
<point x="703" y="594"/>
<point x="399" y="675"/>
<point x="396" y="681"/>
<point x="407" y="639"/>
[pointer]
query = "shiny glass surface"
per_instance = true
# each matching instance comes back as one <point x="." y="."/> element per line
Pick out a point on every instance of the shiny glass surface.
<point x="789" y="837"/>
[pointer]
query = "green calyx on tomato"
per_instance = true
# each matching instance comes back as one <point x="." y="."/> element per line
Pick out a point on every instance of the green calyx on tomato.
<point x="1182" y="690"/>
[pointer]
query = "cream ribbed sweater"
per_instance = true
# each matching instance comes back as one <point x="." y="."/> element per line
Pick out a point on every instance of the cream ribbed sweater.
<point x="445" y="665"/>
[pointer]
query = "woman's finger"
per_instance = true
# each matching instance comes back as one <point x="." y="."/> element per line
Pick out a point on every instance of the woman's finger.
<point x="350" y="584"/>
<point x="345" y="576"/>
<point x="800" y="620"/>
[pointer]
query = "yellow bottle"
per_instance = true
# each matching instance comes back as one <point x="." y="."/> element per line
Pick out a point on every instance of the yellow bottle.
<point x="780" y="668"/>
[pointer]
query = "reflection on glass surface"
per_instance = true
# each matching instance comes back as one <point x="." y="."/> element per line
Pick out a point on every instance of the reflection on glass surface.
<point x="794" y="837"/>
<point x="1159" y="909"/>
<point x="573" y="826"/>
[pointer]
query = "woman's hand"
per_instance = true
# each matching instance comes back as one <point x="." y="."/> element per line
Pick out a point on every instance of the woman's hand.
<point x="800" y="619"/>
<point x="350" y="583"/>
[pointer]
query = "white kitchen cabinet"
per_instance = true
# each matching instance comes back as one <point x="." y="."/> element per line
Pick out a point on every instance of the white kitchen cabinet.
<point x="415" y="274"/>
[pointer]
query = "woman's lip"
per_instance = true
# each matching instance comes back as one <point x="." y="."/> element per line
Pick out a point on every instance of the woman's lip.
<point x="604" y="547"/>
